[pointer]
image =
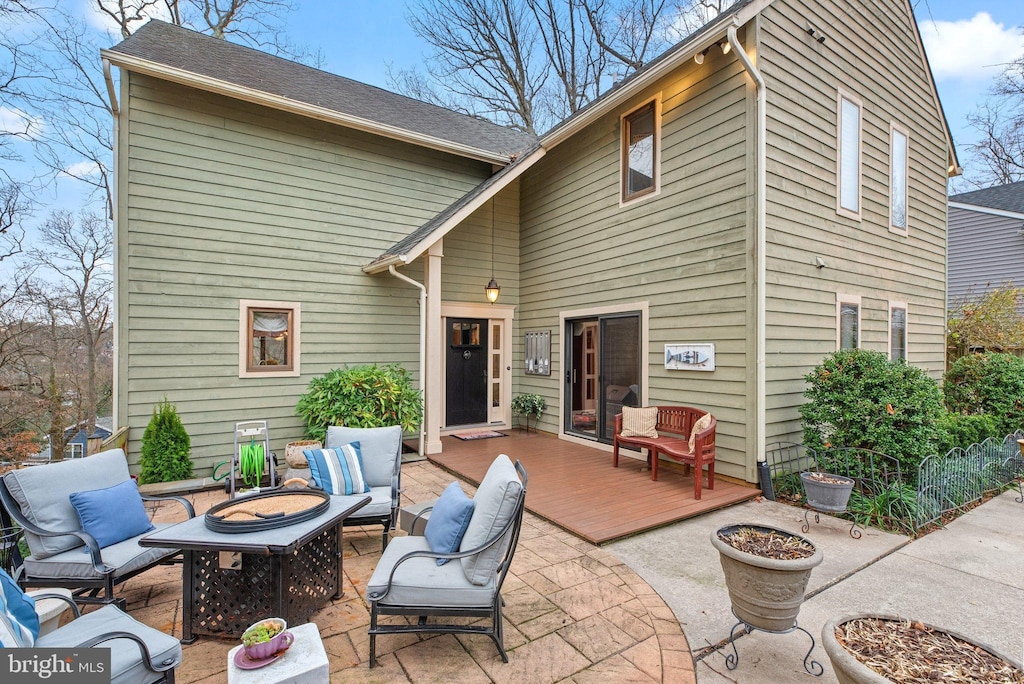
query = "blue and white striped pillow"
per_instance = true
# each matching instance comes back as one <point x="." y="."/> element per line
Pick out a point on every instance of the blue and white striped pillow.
<point x="19" y="624"/>
<point x="338" y="470"/>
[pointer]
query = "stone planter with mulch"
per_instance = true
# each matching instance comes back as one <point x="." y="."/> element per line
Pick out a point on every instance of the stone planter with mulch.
<point x="894" y="647"/>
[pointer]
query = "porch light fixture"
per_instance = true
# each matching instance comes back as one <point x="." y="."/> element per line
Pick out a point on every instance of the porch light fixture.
<point x="699" y="57"/>
<point x="726" y="47"/>
<point x="493" y="289"/>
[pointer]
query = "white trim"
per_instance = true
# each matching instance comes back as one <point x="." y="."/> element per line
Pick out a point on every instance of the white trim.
<point x="986" y="210"/>
<point x="643" y="309"/>
<point x="906" y="330"/>
<point x="847" y="299"/>
<point x="247" y="94"/>
<point x="243" y="337"/>
<point x="895" y="128"/>
<point x="489" y="312"/>
<point x="656" y="170"/>
<point x="842" y="94"/>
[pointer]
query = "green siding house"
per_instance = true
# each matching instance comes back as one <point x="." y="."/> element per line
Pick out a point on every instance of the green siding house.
<point x="767" y="191"/>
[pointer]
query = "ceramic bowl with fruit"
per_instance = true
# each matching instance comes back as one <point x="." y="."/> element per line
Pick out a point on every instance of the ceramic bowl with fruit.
<point x="265" y="638"/>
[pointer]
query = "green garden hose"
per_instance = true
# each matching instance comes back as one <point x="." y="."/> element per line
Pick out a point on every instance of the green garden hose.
<point x="250" y="463"/>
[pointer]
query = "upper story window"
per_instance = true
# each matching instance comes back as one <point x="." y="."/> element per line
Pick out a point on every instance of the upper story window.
<point x="640" y="153"/>
<point x="847" y="321"/>
<point x="849" y="153"/>
<point x="268" y="339"/>
<point x="899" y="146"/>
<point x="897" y="331"/>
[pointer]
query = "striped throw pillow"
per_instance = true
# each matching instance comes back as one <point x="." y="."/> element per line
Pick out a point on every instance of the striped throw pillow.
<point x="19" y="624"/>
<point x="702" y="424"/>
<point x="639" y="422"/>
<point x="338" y="470"/>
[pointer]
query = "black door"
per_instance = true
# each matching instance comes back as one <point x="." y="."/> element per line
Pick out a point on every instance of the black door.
<point x="466" y="391"/>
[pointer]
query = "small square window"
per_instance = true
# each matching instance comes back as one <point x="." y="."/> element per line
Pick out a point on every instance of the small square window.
<point x="268" y="339"/>
<point x="847" y="321"/>
<point x="640" y="152"/>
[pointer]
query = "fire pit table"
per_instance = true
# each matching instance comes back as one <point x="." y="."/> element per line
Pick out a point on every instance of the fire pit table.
<point x="231" y="580"/>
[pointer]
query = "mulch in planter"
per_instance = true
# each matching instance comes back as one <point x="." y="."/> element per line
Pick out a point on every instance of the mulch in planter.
<point x="768" y="544"/>
<point x="910" y="653"/>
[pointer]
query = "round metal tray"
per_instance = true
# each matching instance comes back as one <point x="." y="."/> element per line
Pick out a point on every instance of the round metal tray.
<point x="267" y="511"/>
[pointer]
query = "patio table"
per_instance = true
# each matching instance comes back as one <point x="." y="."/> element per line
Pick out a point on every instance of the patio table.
<point x="230" y="581"/>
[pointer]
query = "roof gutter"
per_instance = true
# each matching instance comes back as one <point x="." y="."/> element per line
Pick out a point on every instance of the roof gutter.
<point x="760" y="241"/>
<point x="193" y="80"/>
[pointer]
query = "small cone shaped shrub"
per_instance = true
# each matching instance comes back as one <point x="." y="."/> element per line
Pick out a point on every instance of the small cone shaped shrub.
<point x="166" y="447"/>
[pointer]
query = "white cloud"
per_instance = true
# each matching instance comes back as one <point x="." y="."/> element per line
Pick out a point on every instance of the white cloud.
<point x="21" y="124"/>
<point x="82" y="169"/>
<point x="970" y="49"/>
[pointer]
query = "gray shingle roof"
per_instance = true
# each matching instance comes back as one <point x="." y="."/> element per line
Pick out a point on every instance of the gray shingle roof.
<point x="1009" y="197"/>
<point x="218" y="59"/>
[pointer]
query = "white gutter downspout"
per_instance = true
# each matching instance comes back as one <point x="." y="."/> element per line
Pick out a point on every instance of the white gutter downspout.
<point x="761" y="240"/>
<point x="423" y="343"/>
<point x="115" y="111"/>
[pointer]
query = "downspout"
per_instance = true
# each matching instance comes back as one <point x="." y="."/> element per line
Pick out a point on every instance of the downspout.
<point x="115" y="111"/>
<point x="423" y="343"/>
<point x="760" y="239"/>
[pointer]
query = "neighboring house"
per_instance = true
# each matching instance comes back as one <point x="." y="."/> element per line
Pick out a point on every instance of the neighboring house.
<point x="275" y="221"/>
<point x="986" y="240"/>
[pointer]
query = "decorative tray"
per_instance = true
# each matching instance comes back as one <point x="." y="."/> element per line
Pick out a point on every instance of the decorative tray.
<point x="267" y="511"/>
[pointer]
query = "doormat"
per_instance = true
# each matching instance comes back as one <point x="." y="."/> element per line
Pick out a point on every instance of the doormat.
<point x="482" y="434"/>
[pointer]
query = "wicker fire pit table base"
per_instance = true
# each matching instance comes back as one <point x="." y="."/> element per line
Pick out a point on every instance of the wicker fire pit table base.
<point x="230" y="581"/>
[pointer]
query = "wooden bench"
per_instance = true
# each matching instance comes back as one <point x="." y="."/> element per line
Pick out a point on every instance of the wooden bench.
<point x="674" y="426"/>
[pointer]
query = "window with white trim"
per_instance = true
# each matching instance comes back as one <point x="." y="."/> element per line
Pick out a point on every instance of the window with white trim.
<point x="268" y="339"/>
<point x="640" y="152"/>
<point x="898" y="331"/>
<point x="848" y="171"/>
<point x="847" y="321"/>
<point x="899" y="152"/>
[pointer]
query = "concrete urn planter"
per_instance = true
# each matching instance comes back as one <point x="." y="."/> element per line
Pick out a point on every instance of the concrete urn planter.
<point x="766" y="593"/>
<point x="850" y="670"/>
<point x="829" y="494"/>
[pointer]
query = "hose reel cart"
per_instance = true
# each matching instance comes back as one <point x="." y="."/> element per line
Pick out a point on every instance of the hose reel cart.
<point x="252" y="458"/>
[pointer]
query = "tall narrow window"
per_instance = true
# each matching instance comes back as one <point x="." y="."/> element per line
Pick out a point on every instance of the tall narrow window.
<point x="898" y="154"/>
<point x="897" y="331"/>
<point x="847" y="321"/>
<point x="639" y="152"/>
<point x="268" y="339"/>
<point x="849" y="156"/>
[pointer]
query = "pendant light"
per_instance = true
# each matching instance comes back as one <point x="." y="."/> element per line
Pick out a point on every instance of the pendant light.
<point x="493" y="289"/>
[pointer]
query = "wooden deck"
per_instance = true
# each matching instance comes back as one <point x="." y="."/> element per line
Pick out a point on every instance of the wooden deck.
<point x="576" y="487"/>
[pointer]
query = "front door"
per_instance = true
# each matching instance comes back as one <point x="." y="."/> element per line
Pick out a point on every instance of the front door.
<point x="466" y="369"/>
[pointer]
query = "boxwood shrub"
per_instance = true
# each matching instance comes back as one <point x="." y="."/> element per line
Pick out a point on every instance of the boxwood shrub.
<point x="988" y="384"/>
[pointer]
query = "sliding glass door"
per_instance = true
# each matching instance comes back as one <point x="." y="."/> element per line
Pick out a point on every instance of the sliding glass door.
<point x="603" y="372"/>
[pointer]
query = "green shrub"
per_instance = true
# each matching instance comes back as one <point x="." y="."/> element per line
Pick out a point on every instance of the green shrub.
<point x="963" y="430"/>
<point x="528" y="405"/>
<point x="166" y="447"/>
<point x="859" y="398"/>
<point x="361" y="396"/>
<point x="988" y="384"/>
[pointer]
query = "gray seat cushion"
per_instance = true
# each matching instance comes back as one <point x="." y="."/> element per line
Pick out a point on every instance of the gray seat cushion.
<point x="380" y="504"/>
<point x="421" y="582"/>
<point x="125" y="656"/>
<point x="126" y="557"/>
<point x="494" y="505"/>
<point x="380" y="448"/>
<point x="43" y="494"/>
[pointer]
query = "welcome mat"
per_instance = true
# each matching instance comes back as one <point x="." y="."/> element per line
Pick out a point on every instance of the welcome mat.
<point x="482" y="434"/>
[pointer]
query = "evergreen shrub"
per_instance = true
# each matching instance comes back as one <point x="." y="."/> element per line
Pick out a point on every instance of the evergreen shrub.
<point x="166" y="447"/>
<point x="988" y="384"/>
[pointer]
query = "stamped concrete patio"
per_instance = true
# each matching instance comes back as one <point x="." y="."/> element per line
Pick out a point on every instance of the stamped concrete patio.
<point x="574" y="613"/>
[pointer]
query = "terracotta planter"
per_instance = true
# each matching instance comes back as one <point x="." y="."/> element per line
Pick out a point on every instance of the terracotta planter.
<point x="765" y="593"/>
<point x="828" y="497"/>
<point x="849" y="670"/>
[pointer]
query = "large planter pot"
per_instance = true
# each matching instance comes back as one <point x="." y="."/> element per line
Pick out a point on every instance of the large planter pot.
<point x="766" y="593"/>
<point x="850" y="670"/>
<point x="828" y="497"/>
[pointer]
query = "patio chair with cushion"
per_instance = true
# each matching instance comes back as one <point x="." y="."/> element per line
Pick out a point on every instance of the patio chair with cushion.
<point x="380" y="451"/>
<point x="138" y="654"/>
<point x="414" y="577"/>
<point x="83" y="520"/>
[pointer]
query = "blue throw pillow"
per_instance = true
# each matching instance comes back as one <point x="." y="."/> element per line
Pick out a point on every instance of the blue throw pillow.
<point x="19" y="624"/>
<point x="448" y="521"/>
<point x="113" y="514"/>
<point x="338" y="470"/>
